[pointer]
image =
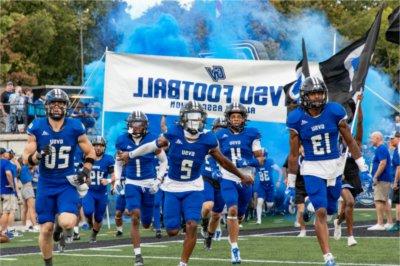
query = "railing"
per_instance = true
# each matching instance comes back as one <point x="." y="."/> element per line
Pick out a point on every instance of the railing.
<point x="21" y="115"/>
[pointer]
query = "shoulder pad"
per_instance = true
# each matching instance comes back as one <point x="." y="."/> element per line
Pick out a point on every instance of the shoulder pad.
<point x="336" y="108"/>
<point x="295" y="115"/>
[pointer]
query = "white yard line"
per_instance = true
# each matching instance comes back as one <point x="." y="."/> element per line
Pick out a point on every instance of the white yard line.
<point x="219" y="259"/>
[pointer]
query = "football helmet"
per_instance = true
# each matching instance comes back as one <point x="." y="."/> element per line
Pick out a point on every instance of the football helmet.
<point x="138" y="124"/>
<point x="192" y="117"/>
<point x="312" y="85"/>
<point x="236" y="108"/>
<point x="99" y="144"/>
<point x="56" y="103"/>
<point x="219" y="122"/>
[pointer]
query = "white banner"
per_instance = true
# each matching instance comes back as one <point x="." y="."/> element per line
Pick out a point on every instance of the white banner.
<point x="161" y="84"/>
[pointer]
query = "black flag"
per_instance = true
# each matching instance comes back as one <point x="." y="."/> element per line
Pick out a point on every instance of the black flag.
<point x="393" y="32"/>
<point x="345" y="72"/>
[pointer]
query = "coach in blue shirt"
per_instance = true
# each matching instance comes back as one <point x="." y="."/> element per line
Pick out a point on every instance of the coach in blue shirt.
<point x="381" y="178"/>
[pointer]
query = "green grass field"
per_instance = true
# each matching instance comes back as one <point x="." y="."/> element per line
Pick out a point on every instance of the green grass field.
<point x="255" y="249"/>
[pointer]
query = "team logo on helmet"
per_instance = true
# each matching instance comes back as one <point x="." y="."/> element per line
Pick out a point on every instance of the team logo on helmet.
<point x="56" y="103"/>
<point x="137" y="124"/>
<point x="312" y="85"/>
<point x="192" y="117"/>
<point x="236" y="108"/>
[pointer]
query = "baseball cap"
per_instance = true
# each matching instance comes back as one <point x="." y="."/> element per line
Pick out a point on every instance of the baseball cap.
<point x="10" y="83"/>
<point x="2" y="150"/>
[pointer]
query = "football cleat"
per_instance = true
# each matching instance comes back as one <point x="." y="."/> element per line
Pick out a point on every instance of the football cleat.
<point x="118" y="233"/>
<point x="235" y="256"/>
<point x="337" y="233"/>
<point x="139" y="260"/>
<point x="158" y="233"/>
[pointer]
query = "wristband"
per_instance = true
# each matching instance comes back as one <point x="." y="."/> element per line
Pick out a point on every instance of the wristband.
<point x="88" y="160"/>
<point x="30" y="160"/>
<point x="291" y="180"/>
<point x="361" y="164"/>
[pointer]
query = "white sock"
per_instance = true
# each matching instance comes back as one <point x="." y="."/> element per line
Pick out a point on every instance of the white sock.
<point x="234" y="245"/>
<point x="182" y="264"/>
<point x="137" y="251"/>
<point x="76" y="229"/>
<point x="328" y="256"/>
<point x="219" y="225"/>
<point x="28" y="223"/>
<point x="119" y="228"/>
<point x="260" y="202"/>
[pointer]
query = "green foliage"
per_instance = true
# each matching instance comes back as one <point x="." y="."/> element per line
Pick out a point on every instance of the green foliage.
<point x="40" y="39"/>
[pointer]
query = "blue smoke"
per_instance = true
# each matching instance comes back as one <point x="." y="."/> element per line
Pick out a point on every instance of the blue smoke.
<point x="168" y="29"/>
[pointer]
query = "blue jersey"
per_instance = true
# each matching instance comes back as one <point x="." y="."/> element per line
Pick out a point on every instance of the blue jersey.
<point x="185" y="159"/>
<point x="209" y="166"/>
<point x="265" y="171"/>
<point x="5" y="165"/>
<point x="25" y="176"/>
<point x="101" y="169"/>
<point x="142" y="167"/>
<point x="319" y="135"/>
<point x="382" y="153"/>
<point x="235" y="146"/>
<point x="56" y="166"/>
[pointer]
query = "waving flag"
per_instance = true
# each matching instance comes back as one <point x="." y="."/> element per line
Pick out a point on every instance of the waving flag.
<point x="393" y="32"/>
<point x="345" y="72"/>
<point x="292" y="90"/>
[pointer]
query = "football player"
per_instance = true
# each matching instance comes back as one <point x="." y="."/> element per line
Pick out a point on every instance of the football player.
<point x="183" y="187"/>
<point x="316" y="125"/>
<point x="242" y="146"/>
<point x="140" y="176"/>
<point x="95" y="201"/>
<point x="52" y="141"/>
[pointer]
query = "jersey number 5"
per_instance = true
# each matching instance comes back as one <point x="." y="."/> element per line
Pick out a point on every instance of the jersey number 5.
<point x="54" y="156"/>
<point x="186" y="167"/>
<point x="318" y="147"/>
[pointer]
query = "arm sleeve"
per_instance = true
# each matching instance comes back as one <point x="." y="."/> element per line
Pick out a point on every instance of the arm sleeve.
<point x="162" y="169"/>
<point x="118" y="169"/>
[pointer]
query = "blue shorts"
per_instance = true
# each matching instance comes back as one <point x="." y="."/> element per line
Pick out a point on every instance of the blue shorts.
<point x="212" y="194"/>
<point x="322" y="196"/>
<point x="138" y="197"/>
<point x="95" y="203"/>
<point x="120" y="203"/>
<point x="177" y="203"/>
<point x="266" y="191"/>
<point x="49" y="203"/>
<point x="236" y="194"/>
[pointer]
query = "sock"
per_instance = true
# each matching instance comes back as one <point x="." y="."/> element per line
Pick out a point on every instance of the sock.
<point x="328" y="256"/>
<point x="119" y="228"/>
<point x="48" y="262"/>
<point x="94" y="232"/>
<point x="210" y="235"/>
<point x="398" y="222"/>
<point x="182" y="263"/>
<point x="259" y="209"/>
<point x="204" y="222"/>
<point x="137" y="251"/>
<point x="76" y="229"/>
<point x="28" y="224"/>
<point x="234" y="245"/>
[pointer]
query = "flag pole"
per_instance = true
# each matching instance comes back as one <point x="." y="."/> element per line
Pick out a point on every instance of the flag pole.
<point x="383" y="99"/>
<point x="334" y="43"/>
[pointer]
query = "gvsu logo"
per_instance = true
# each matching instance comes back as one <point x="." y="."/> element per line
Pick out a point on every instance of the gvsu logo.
<point x="216" y="73"/>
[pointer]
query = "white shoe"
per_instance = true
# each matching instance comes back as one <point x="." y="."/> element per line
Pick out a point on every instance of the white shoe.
<point x="235" y="256"/>
<point x="302" y="233"/>
<point x="337" y="233"/>
<point x="377" y="227"/>
<point x="240" y="225"/>
<point x="351" y="241"/>
<point x="296" y="224"/>
<point x="388" y="225"/>
<point x="258" y="222"/>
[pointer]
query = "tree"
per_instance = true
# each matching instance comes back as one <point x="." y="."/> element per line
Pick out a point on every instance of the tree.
<point x="40" y="39"/>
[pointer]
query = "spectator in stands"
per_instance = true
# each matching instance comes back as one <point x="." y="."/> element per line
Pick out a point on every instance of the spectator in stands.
<point x="17" y="102"/>
<point x="7" y="192"/>
<point x="28" y="197"/>
<point x="40" y="110"/>
<point x="397" y="123"/>
<point x="30" y="106"/>
<point x="5" y="105"/>
<point x="381" y="178"/>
